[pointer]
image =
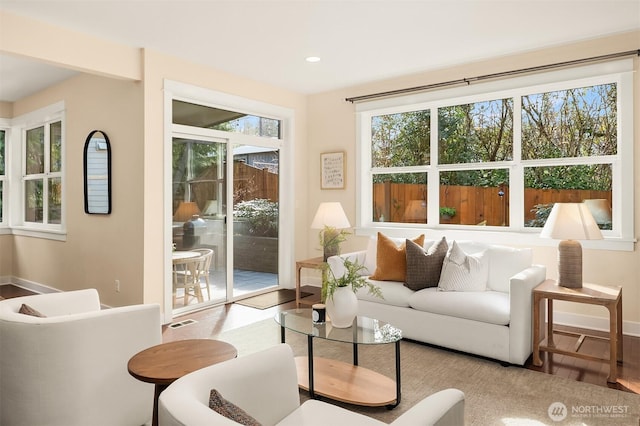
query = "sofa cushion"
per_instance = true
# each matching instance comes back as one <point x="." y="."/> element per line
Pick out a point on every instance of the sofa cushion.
<point x="393" y="293"/>
<point x="491" y="307"/>
<point x="505" y="262"/>
<point x="391" y="262"/>
<point x="424" y="266"/>
<point x="229" y="410"/>
<point x="463" y="272"/>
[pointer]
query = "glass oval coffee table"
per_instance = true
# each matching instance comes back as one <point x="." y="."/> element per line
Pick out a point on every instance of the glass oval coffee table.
<point x="339" y="380"/>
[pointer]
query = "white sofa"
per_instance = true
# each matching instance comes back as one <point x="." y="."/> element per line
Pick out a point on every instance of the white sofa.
<point x="496" y="323"/>
<point x="70" y="368"/>
<point x="265" y="386"/>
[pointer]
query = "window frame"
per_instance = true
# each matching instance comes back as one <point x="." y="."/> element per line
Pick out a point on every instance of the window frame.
<point x="621" y="237"/>
<point x="5" y="126"/>
<point x="17" y="146"/>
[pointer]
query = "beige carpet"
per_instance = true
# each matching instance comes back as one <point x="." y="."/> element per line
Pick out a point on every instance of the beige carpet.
<point x="495" y="395"/>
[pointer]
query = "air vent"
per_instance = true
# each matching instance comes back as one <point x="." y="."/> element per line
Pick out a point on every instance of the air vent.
<point x="182" y="323"/>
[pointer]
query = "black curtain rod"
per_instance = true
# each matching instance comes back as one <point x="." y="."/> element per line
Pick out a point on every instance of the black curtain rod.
<point x="468" y="81"/>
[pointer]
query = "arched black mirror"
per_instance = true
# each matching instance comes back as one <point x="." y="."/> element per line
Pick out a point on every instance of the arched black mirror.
<point x="97" y="173"/>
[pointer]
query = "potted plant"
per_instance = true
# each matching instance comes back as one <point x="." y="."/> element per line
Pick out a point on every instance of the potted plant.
<point x="330" y="240"/>
<point x="447" y="212"/>
<point x="339" y="292"/>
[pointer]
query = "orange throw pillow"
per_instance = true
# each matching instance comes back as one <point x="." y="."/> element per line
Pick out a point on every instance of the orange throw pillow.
<point x="391" y="260"/>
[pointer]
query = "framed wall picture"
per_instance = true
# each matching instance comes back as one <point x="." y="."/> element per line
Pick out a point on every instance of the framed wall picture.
<point x="332" y="165"/>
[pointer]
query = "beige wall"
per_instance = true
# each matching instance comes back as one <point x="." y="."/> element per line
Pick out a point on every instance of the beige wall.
<point x="99" y="249"/>
<point x="332" y="127"/>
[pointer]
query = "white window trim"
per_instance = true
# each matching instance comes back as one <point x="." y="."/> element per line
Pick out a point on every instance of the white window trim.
<point x="16" y="147"/>
<point x="622" y="237"/>
<point x="5" y="125"/>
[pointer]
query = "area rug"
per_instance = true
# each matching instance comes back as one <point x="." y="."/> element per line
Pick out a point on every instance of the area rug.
<point x="271" y="299"/>
<point x="495" y="395"/>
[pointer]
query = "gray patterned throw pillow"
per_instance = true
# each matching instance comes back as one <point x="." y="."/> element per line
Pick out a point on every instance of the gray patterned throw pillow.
<point x="229" y="410"/>
<point x="424" y="267"/>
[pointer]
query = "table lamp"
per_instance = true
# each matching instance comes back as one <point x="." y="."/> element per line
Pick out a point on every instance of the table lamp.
<point x="600" y="209"/>
<point x="332" y="221"/>
<point x="570" y="222"/>
<point x="416" y="212"/>
<point x="185" y="211"/>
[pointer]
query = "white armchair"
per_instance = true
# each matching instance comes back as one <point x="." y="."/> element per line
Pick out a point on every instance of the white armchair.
<point x="265" y="386"/>
<point x="70" y="368"/>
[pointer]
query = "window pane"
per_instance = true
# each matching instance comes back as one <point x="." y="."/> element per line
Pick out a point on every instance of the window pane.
<point x="400" y="197"/>
<point x="55" y="146"/>
<point x="2" y="153"/>
<point x="475" y="197"/>
<point x="1" y="187"/>
<point x="578" y="122"/>
<point x="33" y="201"/>
<point x="229" y="121"/>
<point x="55" y="200"/>
<point x="545" y="186"/>
<point x="477" y="132"/>
<point x="400" y="139"/>
<point x="35" y="151"/>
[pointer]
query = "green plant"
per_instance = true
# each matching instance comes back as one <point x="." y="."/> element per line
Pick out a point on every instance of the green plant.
<point x="330" y="240"/>
<point x="352" y="277"/>
<point x="261" y="215"/>
<point x="447" y="211"/>
<point x="542" y="212"/>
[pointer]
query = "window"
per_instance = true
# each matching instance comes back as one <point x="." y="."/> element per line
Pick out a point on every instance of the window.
<point x="37" y="184"/>
<point x="43" y="174"/>
<point x="190" y="114"/>
<point x="496" y="156"/>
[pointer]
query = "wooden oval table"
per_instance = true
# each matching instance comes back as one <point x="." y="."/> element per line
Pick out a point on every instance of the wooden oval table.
<point x="163" y="364"/>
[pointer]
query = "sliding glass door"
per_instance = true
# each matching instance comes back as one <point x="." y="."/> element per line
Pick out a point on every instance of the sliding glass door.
<point x="199" y="231"/>
<point x="232" y="214"/>
<point x="255" y="218"/>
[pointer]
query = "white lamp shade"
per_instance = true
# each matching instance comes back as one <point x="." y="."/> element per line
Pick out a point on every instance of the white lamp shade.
<point x="571" y="221"/>
<point x="599" y="208"/>
<point x="330" y="214"/>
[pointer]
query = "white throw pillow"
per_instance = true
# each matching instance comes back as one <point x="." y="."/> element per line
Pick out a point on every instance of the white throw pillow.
<point x="463" y="272"/>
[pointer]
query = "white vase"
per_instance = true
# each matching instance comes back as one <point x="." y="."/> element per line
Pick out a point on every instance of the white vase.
<point x="342" y="308"/>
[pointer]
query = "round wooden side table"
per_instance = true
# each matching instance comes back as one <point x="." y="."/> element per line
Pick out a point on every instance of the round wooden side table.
<point x="163" y="364"/>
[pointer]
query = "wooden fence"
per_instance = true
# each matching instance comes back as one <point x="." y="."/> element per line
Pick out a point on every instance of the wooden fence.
<point x="248" y="183"/>
<point x="399" y="202"/>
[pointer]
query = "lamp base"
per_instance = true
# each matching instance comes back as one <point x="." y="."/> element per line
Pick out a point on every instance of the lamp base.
<point x="570" y="264"/>
<point x="331" y="246"/>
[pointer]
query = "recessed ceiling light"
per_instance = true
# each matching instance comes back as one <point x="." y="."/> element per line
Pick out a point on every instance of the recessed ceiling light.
<point x="312" y="59"/>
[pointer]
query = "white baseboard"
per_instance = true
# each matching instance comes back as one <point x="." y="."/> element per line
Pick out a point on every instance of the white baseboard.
<point x="630" y="328"/>
<point x="31" y="285"/>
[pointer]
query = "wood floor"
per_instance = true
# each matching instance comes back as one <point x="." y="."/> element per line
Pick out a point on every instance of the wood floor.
<point x="212" y="321"/>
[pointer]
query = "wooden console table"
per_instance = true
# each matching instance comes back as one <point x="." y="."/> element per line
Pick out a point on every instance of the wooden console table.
<point x="594" y="294"/>
<point x="314" y="263"/>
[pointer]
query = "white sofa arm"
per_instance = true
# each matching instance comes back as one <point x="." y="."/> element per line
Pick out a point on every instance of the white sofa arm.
<point x="444" y="408"/>
<point x="336" y="263"/>
<point x="521" y="304"/>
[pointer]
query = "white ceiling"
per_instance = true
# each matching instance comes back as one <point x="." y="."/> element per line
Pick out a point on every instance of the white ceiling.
<point x="359" y="41"/>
